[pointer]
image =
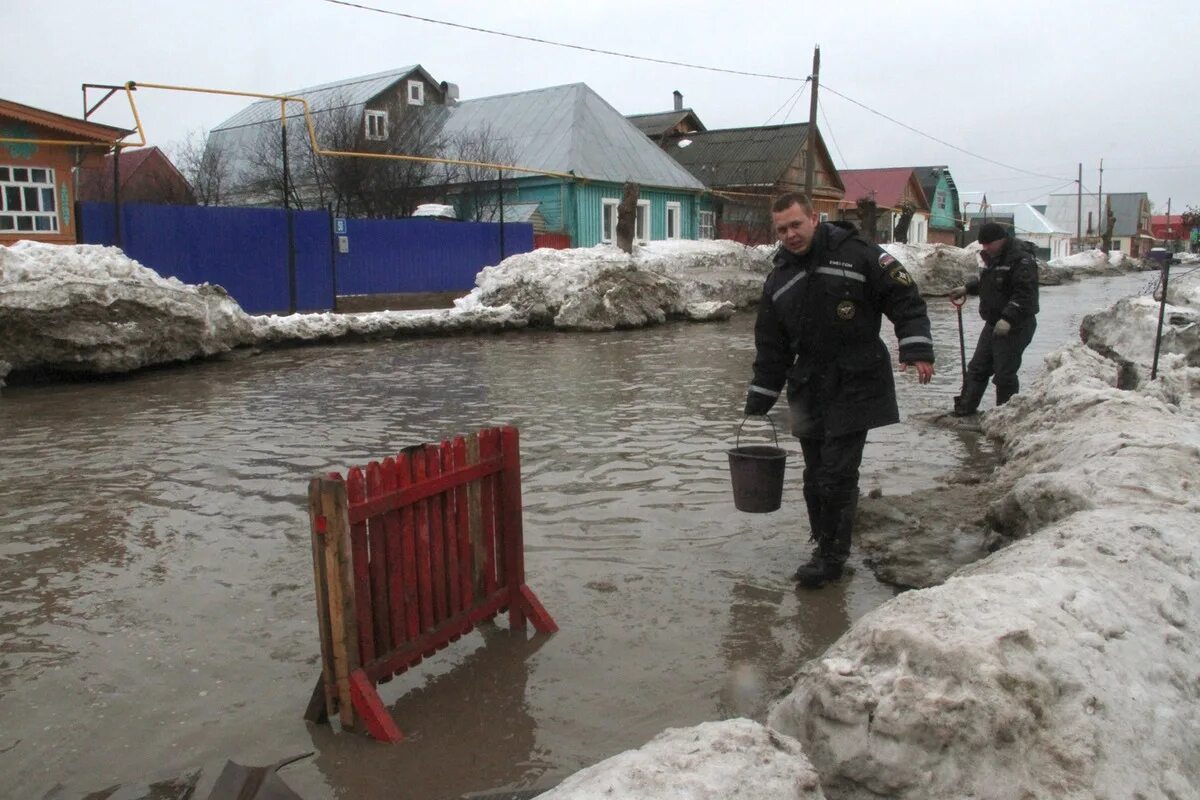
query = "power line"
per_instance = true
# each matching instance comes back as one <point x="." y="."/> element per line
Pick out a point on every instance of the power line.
<point x="794" y="97"/>
<point x="829" y="128"/>
<point x="537" y="40"/>
<point x="893" y="120"/>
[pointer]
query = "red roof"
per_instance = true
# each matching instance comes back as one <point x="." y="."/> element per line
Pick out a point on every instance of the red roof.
<point x="1158" y="227"/>
<point x="885" y="186"/>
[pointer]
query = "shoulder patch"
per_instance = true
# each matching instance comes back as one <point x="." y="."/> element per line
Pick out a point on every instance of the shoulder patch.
<point x="900" y="276"/>
<point x="886" y="260"/>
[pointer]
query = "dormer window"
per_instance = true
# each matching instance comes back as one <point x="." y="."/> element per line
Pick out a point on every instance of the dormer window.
<point x="376" y="125"/>
<point x="416" y="93"/>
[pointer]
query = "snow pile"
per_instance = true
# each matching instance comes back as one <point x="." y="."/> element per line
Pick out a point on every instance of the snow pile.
<point x="732" y="759"/>
<point x="602" y="288"/>
<point x="937" y="268"/>
<point x="88" y="308"/>
<point x="275" y="329"/>
<point x="1095" y="262"/>
<point x="1063" y="665"/>
<point x="1126" y="331"/>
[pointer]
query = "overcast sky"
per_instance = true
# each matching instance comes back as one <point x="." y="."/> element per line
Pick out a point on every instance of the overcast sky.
<point x="1037" y="86"/>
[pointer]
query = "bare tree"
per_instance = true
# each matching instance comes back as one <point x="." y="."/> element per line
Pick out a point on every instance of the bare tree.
<point x="900" y="232"/>
<point x="868" y="215"/>
<point x="1109" y="223"/>
<point x="206" y="165"/>
<point x="627" y="217"/>
<point x="476" y="185"/>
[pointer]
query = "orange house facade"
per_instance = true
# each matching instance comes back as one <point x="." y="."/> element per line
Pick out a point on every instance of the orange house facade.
<point x="39" y="151"/>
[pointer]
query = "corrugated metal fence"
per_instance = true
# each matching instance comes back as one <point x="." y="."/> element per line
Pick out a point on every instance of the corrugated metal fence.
<point x="245" y="250"/>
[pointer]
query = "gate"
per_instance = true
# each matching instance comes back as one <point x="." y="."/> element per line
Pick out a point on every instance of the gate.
<point x="408" y="555"/>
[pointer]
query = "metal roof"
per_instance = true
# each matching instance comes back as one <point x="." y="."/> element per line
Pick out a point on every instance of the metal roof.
<point x="741" y="156"/>
<point x="885" y="186"/>
<point x="1026" y="218"/>
<point x="569" y="129"/>
<point x="658" y="123"/>
<point x="1126" y="207"/>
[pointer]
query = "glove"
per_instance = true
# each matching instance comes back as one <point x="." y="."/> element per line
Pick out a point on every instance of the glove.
<point x="758" y="404"/>
<point x="1002" y="328"/>
<point x="958" y="293"/>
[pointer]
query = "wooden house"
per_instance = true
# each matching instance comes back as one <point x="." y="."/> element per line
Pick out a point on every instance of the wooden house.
<point x="945" y="209"/>
<point x="39" y="152"/>
<point x="893" y="190"/>
<point x="146" y="175"/>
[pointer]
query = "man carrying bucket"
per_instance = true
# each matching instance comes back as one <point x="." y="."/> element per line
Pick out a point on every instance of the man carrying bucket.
<point x="818" y="332"/>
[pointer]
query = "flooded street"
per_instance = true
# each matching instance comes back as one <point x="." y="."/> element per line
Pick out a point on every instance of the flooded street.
<point x="156" y="603"/>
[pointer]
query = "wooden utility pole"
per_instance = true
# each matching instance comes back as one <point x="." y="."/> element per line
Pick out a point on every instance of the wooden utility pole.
<point x="1079" y="211"/>
<point x="1100" y="195"/>
<point x="810" y="145"/>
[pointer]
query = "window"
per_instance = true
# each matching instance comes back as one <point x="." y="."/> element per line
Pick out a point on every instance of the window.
<point x="674" y="217"/>
<point x="416" y="93"/>
<point x="641" y="227"/>
<point x="376" y="125"/>
<point x="608" y="221"/>
<point x="707" y="225"/>
<point x="27" y="200"/>
<point x="824" y="217"/>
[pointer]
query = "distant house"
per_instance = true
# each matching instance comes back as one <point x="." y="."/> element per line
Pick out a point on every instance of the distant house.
<point x="146" y="176"/>
<point x="745" y="168"/>
<point x="662" y="126"/>
<point x="1170" y="229"/>
<point x="585" y="151"/>
<point x="1131" y="219"/>
<point x="39" y="151"/>
<point x="893" y="189"/>
<point x="1029" y="224"/>
<point x="945" y="211"/>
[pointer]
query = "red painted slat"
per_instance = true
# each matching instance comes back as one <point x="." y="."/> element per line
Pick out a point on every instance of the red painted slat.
<point x="459" y="448"/>
<point x="510" y="539"/>
<point x="450" y="528"/>
<point x="377" y="547"/>
<point x="355" y="493"/>
<point x="488" y="447"/>
<point x="424" y="565"/>
<point x="408" y="545"/>
<point x="395" y="556"/>
<point x="437" y="537"/>
<point x="408" y="496"/>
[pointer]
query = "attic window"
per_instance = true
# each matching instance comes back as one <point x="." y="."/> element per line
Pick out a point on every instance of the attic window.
<point x="376" y="122"/>
<point x="416" y="93"/>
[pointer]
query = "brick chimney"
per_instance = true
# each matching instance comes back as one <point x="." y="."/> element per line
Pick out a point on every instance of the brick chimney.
<point x="678" y="100"/>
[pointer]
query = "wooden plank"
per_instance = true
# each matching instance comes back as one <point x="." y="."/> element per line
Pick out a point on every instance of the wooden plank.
<point x="424" y="560"/>
<point x="450" y="529"/>
<point x="328" y="682"/>
<point x="408" y="542"/>
<point x="377" y="550"/>
<point x="393" y="543"/>
<point x="403" y="497"/>
<point x="437" y="537"/>
<point x="466" y="592"/>
<point x="356" y="493"/>
<point x="510" y="534"/>
<point x="475" y="523"/>
<point x="488" y="449"/>
<point x="339" y="573"/>
<point x="371" y="711"/>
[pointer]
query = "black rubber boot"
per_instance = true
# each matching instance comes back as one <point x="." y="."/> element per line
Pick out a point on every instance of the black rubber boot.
<point x="967" y="403"/>
<point x="821" y="568"/>
<point x="812" y="499"/>
<point x="829" y="558"/>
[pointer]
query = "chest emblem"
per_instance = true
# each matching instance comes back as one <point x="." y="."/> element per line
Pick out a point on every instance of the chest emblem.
<point x="846" y="309"/>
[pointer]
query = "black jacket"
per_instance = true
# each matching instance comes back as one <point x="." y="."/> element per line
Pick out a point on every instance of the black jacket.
<point x="818" y="331"/>
<point x="1008" y="284"/>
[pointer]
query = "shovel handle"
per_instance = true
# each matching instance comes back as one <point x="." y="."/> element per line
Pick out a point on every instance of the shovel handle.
<point x="745" y="419"/>
<point x="959" y="303"/>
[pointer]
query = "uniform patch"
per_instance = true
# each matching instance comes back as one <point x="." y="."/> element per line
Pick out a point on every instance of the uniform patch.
<point x="900" y="276"/>
<point x="886" y="260"/>
<point x="846" y="309"/>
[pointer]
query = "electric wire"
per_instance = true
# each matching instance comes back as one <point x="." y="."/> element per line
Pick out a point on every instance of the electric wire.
<point x="829" y="129"/>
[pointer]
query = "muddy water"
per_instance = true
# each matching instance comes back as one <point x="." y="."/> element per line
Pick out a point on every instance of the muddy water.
<point x="155" y="605"/>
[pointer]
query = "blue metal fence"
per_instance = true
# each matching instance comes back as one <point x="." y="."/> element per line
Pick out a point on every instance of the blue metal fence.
<point x="245" y="250"/>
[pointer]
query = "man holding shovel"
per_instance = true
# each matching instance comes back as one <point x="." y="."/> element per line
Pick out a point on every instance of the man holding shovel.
<point x="1008" y="302"/>
<point x="818" y="332"/>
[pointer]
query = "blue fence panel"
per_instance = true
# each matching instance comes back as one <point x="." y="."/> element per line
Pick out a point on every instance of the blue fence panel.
<point x="423" y="255"/>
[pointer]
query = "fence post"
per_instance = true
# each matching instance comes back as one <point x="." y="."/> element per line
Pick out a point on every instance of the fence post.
<point x="339" y="584"/>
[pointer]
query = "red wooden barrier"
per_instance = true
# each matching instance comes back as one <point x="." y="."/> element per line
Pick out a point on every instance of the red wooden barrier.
<point x="556" y="241"/>
<point x="409" y="555"/>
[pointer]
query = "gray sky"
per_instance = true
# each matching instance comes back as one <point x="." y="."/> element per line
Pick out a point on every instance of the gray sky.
<point x="1039" y="86"/>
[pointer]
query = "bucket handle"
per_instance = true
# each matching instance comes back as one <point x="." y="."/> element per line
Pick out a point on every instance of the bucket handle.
<point x="745" y="419"/>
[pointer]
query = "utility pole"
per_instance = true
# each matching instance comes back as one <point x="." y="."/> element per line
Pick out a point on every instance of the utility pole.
<point x="1079" y="210"/>
<point x="1100" y="196"/>
<point x="810" y="145"/>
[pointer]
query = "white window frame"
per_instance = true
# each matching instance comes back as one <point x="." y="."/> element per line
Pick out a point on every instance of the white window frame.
<point x="19" y="190"/>
<point x="416" y="93"/>
<point x="674" y="209"/>
<point x="608" y="222"/>
<point x="380" y="120"/>
<point x="823" y="217"/>
<point x="641" y="222"/>
<point x="708" y="225"/>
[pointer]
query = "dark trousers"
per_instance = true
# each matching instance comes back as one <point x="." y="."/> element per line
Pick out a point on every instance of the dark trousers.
<point x="998" y="358"/>
<point x="831" y="466"/>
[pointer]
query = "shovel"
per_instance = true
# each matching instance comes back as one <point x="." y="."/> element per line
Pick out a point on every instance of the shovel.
<point x="962" y="345"/>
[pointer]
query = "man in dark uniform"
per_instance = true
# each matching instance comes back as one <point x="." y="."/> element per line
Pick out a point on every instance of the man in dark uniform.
<point x="1008" y="302"/>
<point x="818" y="332"/>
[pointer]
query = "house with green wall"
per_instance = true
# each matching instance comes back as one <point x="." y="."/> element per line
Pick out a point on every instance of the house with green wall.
<point x="572" y="154"/>
<point x="945" y="214"/>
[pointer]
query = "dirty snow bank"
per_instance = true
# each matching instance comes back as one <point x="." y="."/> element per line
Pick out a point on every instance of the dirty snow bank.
<point x="1126" y="330"/>
<point x="1096" y="262"/>
<point x="937" y="268"/>
<point x="86" y="308"/>
<point x="1063" y="665"/>
<point x="736" y="758"/>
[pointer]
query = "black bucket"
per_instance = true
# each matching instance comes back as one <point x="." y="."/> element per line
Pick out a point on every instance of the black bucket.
<point x="757" y="474"/>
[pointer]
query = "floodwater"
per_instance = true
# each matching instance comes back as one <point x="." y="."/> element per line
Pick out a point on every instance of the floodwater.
<point x="156" y="604"/>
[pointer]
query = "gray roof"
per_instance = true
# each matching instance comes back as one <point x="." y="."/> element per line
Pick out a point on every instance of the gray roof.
<point x="513" y="212"/>
<point x="570" y="129"/>
<point x="1026" y="219"/>
<point x="658" y="123"/>
<point x="1061" y="210"/>
<point x="741" y="156"/>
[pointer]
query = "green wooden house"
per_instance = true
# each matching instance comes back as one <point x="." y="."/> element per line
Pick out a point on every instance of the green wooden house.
<point x="945" y="213"/>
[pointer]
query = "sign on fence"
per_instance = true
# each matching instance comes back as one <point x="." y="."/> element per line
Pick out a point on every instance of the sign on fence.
<point x="408" y="555"/>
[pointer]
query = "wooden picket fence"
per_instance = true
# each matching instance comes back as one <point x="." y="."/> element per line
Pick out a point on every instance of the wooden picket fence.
<point x="408" y="555"/>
